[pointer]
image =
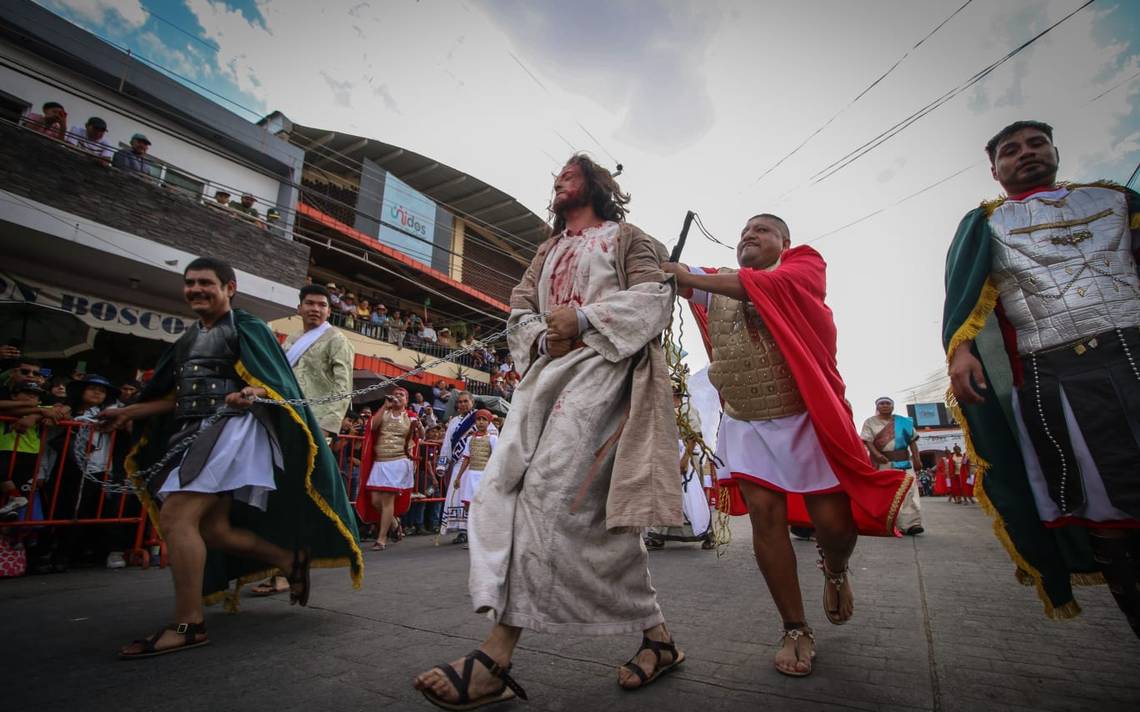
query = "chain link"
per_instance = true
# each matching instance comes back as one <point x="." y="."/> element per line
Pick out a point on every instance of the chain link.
<point x="140" y="480"/>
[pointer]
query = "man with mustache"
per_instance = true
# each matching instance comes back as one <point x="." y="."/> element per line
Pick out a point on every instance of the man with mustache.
<point x="588" y="456"/>
<point x="787" y="439"/>
<point x="255" y="492"/>
<point x="1040" y="327"/>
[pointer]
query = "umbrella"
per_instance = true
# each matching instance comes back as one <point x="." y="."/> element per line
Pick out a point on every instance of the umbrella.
<point x="44" y="332"/>
<point x="495" y="404"/>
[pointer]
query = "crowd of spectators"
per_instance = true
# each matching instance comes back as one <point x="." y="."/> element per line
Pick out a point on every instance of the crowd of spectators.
<point x="412" y="330"/>
<point x="48" y="444"/>
<point x="91" y="138"/>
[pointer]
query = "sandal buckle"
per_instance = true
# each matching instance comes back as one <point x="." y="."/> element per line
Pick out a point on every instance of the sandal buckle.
<point x="182" y="628"/>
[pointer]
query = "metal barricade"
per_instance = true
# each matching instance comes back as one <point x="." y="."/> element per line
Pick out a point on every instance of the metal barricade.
<point x="61" y="471"/>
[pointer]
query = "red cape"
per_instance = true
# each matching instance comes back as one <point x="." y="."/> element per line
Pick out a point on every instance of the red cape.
<point x="363" y="502"/>
<point x="790" y="300"/>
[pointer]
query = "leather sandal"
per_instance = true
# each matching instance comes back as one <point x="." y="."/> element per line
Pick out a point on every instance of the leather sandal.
<point x="658" y="669"/>
<point x="795" y="634"/>
<point x="189" y="631"/>
<point x="837" y="579"/>
<point x="462" y="683"/>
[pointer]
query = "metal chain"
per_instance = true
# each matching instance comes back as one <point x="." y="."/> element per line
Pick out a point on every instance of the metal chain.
<point x="139" y="481"/>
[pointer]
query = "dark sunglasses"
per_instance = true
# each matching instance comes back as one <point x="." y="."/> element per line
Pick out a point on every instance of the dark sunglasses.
<point x="29" y="372"/>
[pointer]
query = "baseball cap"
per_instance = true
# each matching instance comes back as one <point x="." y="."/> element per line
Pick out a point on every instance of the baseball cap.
<point x="141" y="137"/>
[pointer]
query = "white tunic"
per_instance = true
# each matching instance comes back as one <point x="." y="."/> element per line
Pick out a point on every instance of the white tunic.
<point x="242" y="462"/>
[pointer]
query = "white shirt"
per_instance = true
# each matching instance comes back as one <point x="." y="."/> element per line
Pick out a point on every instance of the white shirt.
<point x="77" y="136"/>
<point x="428" y="333"/>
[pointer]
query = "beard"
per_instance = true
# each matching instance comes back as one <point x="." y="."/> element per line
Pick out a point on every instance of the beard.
<point x="570" y="201"/>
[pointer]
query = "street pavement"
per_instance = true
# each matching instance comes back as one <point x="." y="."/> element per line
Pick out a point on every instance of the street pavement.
<point x="940" y="624"/>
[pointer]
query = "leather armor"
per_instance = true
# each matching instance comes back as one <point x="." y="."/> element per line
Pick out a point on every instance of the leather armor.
<point x="205" y="371"/>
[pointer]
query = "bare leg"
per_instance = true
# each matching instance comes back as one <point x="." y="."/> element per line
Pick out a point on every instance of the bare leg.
<point x="836" y="533"/>
<point x="772" y="547"/>
<point x="220" y="535"/>
<point x="179" y="519"/>
<point x="500" y="645"/>
<point x="385" y="503"/>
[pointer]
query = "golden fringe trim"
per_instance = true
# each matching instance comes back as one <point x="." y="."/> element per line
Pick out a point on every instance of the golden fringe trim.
<point x="356" y="573"/>
<point x="1025" y="571"/>
<point x="1095" y="579"/>
<point x="896" y="503"/>
<point x="130" y="464"/>
<point x="972" y="326"/>
<point x="232" y="599"/>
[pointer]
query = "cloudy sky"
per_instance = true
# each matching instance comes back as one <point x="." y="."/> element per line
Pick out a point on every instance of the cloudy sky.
<point x="698" y="100"/>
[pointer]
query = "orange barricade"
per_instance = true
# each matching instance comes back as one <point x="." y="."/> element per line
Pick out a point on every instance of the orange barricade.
<point x="46" y="465"/>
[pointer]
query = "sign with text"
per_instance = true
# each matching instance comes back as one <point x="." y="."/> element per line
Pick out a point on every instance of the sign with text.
<point x="100" y="313"/>
<point x="407" y="219"/>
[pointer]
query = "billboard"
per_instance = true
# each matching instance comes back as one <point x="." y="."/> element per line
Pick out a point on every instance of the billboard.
<point x="407" y="219"/>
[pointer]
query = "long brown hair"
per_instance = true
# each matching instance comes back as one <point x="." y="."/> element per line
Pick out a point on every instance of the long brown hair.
<point x="604" y="193"/>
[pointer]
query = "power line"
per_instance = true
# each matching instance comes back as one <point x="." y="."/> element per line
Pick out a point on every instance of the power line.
<point x="873" y="213"/>
<point x="857" y="153"/>
<point x="861" y="94"/>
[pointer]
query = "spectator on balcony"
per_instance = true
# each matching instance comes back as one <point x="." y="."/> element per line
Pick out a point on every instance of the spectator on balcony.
<point x="363" y="312"/>
<point x="444" y="338"/>
<point x="222" y="199"/>
<point x="272" y="216"/>
<point x="397" y="328"/>
<point x="348" y="310"/>
<point x="52" y="122"/>
<point x="379" y="321"/>
<point x="427" y="333"/>
<point x="90" y="138"/>
<point x="334" y="297"/>
<point x="246" y="206"/>
<point x="133" y="158"/>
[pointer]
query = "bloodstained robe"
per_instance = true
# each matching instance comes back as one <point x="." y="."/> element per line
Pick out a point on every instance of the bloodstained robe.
<point x="588" y="455"/>
<point x="790" y="300"/>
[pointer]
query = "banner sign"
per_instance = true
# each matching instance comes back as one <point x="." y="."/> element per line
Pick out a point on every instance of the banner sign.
<point x="99" y="313"/>
<point x="407" y="219"/>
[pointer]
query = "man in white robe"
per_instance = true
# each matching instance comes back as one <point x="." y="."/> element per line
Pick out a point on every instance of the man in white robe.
<point x="556" y="537"/>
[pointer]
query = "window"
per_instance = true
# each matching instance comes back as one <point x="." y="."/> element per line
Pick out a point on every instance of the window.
<point x="12" y="107"/>
<point x="170" y="175"/>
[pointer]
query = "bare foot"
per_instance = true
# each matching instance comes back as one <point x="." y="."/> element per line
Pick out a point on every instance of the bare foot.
<point x="795" y="656"/>
<point x="482" y="682"/>
<point x="647" y="659"/>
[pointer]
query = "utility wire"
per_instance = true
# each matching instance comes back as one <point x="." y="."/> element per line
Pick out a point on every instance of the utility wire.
<point x="861" y="94"/>
<point x="857" y="153"/>
<point x="873" y="213"/>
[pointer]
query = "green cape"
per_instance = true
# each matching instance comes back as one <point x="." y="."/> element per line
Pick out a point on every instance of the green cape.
<point x="309" y="506"/>
<point x="1051" y="559"/>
